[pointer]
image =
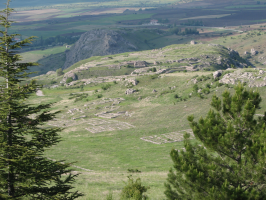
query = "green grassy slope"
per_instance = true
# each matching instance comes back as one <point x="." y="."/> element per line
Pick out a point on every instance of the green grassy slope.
<point x="245" y="42"/>
<point x="110" y="152"/>
<point x="105" y="148"/>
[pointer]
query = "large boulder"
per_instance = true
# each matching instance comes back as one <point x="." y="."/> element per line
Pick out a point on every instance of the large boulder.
<point x="132" y="81"/>
<point x="217" y="74"/>
<point x="69" y="75"/>
<point x="253" y="52"/>
<point x="130" y="91"/>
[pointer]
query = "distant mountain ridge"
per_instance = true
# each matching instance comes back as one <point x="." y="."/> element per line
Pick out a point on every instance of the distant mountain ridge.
<point x="34" y="3"/>
<point x="98" y="42"/>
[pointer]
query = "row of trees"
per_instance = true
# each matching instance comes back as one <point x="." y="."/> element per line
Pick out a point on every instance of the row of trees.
<point x="228" y="162"/>
<point x="54" y="41"/>
<point x="193" y="23"/>
<point x="186" y="31"/>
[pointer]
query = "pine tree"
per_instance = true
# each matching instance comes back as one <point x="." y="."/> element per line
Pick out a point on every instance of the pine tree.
<point x="24" y="171"/>
<point x="230" y="161"/>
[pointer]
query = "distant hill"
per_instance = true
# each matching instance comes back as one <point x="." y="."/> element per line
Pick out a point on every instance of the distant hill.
<point x="98" y="43"/>
<point x="33" y="3"/>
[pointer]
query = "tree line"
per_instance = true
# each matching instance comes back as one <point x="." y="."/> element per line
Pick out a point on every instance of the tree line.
<point x="57" y="40"/>
<point x="186" y="31"/>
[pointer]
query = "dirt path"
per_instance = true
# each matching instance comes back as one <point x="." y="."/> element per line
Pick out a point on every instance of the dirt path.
<point x="39" y="93"/>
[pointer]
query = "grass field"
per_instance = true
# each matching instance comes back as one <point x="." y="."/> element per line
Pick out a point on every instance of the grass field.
<point x="104" y="148"/>
<point x="105" y="155"/>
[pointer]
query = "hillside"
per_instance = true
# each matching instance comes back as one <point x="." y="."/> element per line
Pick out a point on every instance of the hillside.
<point x="98" y="43"/>
<point x="132" y="122"/>
<point x="191" y="57"/>
<point x="249" y="44"/>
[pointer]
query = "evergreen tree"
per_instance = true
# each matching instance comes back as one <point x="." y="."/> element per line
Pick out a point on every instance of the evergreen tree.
<point x="24" y="171"/>
<point x="230" y="161"/>
<point x="59" y="72"/>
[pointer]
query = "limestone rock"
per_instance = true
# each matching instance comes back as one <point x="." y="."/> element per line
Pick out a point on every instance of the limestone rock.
<point x="132" y="81"/>
<point x="233" y="54"/>
<point x="217" y="74"/>
<point x="193" y="42"/>
<point x="130" y="91"/>
<point x="153" y="91"/>
<point x="50" y="73"/>
<point x="69" y="75"/>
<point x="253" y="52"/>
<point x="138" y="64"/>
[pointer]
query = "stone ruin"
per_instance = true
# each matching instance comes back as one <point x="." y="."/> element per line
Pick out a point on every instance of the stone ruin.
<point x="130" y="91"/>
<point x="168" y="137"/>
<point x="139" y="64"/>
<point x="96" y="125"/>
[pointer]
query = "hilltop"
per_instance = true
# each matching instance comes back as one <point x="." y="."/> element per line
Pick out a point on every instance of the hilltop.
<point x="190" y="57"/>
<point x="98" y="43"/>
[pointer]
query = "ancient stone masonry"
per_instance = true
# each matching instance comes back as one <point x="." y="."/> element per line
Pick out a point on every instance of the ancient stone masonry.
<point x="168" y="137"/>
<point x="115" y="101"/>
<point x="96" y="125"/>
<point x="139" y="64"/>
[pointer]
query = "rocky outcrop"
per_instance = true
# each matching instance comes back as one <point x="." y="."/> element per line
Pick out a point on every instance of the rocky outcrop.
<point x="132" y="81"/>
<point x="253" y="52"/>
<point x="252" y="78"/>
<point x="97" y="43"/>
<point x="130" y="91"/>
<point x="50" y="73"/>
<point x="70" y="74"/>
<point x="140" y="64"/>
<point x="217" y="74"/>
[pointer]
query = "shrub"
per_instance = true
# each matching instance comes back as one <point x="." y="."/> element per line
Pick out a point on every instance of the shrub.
<point x="69" y="80"/>
<point x="59" y="72"/>
<point x="133" y="171"/>
<point x="154" y="76"/>
<point x="99" y="96"/>
<point x="106" y="87"/>
<point x="53" y="82"/>
<point x="134" y="190"/>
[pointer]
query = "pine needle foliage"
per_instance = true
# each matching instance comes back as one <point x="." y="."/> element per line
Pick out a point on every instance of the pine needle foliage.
<point x="230" y="161"/>
<point x="134" y="190"/>
<point x="24" y="171"/>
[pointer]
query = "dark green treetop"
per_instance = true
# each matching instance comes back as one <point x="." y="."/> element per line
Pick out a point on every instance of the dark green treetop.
<point x="230" y="161"/>
<point x="24" y="172"/>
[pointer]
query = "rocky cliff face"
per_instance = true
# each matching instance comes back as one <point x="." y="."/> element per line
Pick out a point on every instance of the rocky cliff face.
<point x="98" y="43"/>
